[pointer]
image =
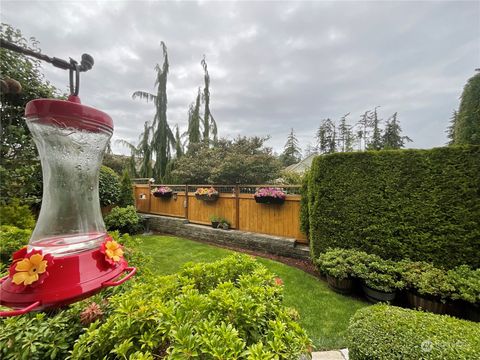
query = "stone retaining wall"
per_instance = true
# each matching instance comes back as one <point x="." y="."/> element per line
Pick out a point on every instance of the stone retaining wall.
<point x="252" y="241"/>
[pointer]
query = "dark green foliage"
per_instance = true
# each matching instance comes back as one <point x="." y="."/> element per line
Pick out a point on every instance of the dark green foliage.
<point x="418" y="204"/>
<point x="209" y="124"/>
<point x="17" y="215"/>
<point x="466" y="283"/>
<point x="467" y="122"/>
<point x="125" y="197"/>
<point x="231" y="309"/>
<point x="38" y="336"/>
<point x="381" y="332"/>
<point x="108" y="186"/>
<point x="392" y="136"/>
<point x="376" y="142"/>
<point x="20" y="171"/>
<point x="13" y="239"/>
<point x="243" y="160"/>
<point x="326" y="137"/>
<point x="338" y="263"/>
<point x="118" y="163"/>
<point x="291" y="151"/>
<point x="124" y="219"/>
<point x="194" y="136"/>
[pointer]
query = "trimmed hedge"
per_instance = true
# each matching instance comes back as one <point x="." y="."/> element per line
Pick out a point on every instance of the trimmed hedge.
<point x="388" y="332"/>
<point x="417" y="204"/>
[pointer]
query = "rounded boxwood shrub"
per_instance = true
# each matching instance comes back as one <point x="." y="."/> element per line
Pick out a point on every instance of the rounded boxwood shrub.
<point x="337" y="262"/>
<point x="125" y="220"/>
<point x="108" y="186"/>
<point x="381" y="332"/>
<point x="466" y="284"/>
<point x="230" y="309"/>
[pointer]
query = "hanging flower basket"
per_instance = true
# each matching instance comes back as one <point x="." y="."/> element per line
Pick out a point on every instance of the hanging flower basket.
<point x="206" y="194"/>
<point x="162" y="192"/>
<point x="269" y="196"/>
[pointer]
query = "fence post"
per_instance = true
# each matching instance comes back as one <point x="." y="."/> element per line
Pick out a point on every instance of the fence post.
<point x="237" y="206"/>
<point x="149" y="197"/>
<point x="186" y="201"/>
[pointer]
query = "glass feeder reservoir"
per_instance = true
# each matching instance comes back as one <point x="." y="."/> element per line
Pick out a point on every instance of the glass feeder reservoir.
<point x="70" y="256"/>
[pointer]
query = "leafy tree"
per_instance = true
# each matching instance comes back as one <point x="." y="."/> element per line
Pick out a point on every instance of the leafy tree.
<point x="162" y="137"/>
<point x="345" y="133"/>
<point x="243" y="160"/>
<point x="20" y="170"/>
<point x="118" y="163"/>
<point x="376" y="140"/>
<point x="326" y="137"/>
<point x="291" y="151"/>
<point x="209" y="124"/>
<point x="467" y="124"/>
<point x="392" y="138"/>
<point x="125" y="198"/>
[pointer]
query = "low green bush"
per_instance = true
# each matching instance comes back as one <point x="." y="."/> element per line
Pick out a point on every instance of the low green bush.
<point x="39" y="336"/>
<point x="337" y="263"/>
<point x="108" y="186"/>
<point x="12" y="239"/>
<point x="382" y="332"/>
<point x="132" y="253"/>
<point x="125" y="220"/>
<point x="230" y="309"/>
<point x="427" y="280"/>
<point x="15" y="214"/>
<point x="466" y="284"/>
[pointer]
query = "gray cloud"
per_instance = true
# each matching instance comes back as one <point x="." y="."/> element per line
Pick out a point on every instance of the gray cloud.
<point x="273" y="65"/>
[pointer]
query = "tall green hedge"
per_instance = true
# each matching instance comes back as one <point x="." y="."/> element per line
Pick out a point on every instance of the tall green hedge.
<point x="417" y="204"/>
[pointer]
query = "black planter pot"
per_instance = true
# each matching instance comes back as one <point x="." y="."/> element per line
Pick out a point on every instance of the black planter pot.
<point x="472" y="312"/>
<point x="167" y="195"/>
<point x="207" y="198"/>
<point x="375" y="296"/>
<point x="430" y="304"/>
<point x="268" y="200"/>
<point x="344" y="286"/>
<point x="215" y="224"/>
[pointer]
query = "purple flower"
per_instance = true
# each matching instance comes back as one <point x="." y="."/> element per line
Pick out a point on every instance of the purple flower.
<point x="270" y="192"/>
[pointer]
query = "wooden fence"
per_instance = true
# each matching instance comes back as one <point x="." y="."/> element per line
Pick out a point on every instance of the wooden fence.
<point x="235" y="203"/>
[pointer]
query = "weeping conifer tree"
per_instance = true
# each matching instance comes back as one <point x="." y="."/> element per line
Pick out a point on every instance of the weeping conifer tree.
<point x="193" y="131"/>
<point x="178" y="143"/>
<point x="162" y="136"/>
<point x="209" y="124"/>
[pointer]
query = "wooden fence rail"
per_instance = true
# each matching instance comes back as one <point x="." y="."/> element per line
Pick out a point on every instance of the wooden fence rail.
<point x="235" y="203"/>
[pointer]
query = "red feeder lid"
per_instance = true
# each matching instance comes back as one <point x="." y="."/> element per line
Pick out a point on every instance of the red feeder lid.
<point x="69" y="113"/>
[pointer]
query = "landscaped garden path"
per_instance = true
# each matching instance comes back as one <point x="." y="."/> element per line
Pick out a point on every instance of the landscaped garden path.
<point x="323" y="313"/>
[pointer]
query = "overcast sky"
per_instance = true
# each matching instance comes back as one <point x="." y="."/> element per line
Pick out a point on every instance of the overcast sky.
<point x="273" y="65"/>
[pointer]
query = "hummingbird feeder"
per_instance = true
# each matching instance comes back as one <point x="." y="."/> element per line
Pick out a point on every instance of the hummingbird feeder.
<point x="69" y="256"/>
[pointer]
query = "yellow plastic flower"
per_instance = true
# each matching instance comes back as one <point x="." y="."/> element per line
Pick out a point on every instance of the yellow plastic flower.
<point x="29" y="269"/>
<point x="113" y="250"/>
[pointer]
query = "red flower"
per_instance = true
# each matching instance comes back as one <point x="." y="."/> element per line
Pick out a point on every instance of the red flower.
<point x="278" y="281"/>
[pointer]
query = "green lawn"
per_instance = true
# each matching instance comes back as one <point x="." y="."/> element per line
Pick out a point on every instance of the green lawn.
<point x="324" y="314"/>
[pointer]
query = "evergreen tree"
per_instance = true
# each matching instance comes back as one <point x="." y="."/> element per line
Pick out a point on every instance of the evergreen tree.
<point x="451" y="128"/>
<point x="467" y="124"/>
<point x="209" y="124"/>
<point x="162" y="136"/>
<point x="376" y="142"/>
<point x="392" y="137"/>
<point x="126" y="197"/>
<point x="178" y="143"/>
<point x="362" y="133"/>
<point x="145" y="152"/>
<point x="193" y="132"/>
<point x="291" y="151"/>
<point x="346" y="136"/>
<point x="326" y="137"/>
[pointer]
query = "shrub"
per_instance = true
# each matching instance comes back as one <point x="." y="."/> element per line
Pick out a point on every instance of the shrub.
<point x="125" y="197"/>
<point x="425" y="279"/>
<point x="231" y="309"/>
<point x="108" y="186"/>
<point x="378" y="274"/>
<point x="39" y="336"/>
<point x="13" y="239"/>
<point x="418" y="204"/>
<point x="132" y="253"/>
<point x="386" y="332"/>
<point x="125" y="220"/>
<point x="466" y="283"/>
<point x="337" y="263"/>
<point x="17" y="215"/>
